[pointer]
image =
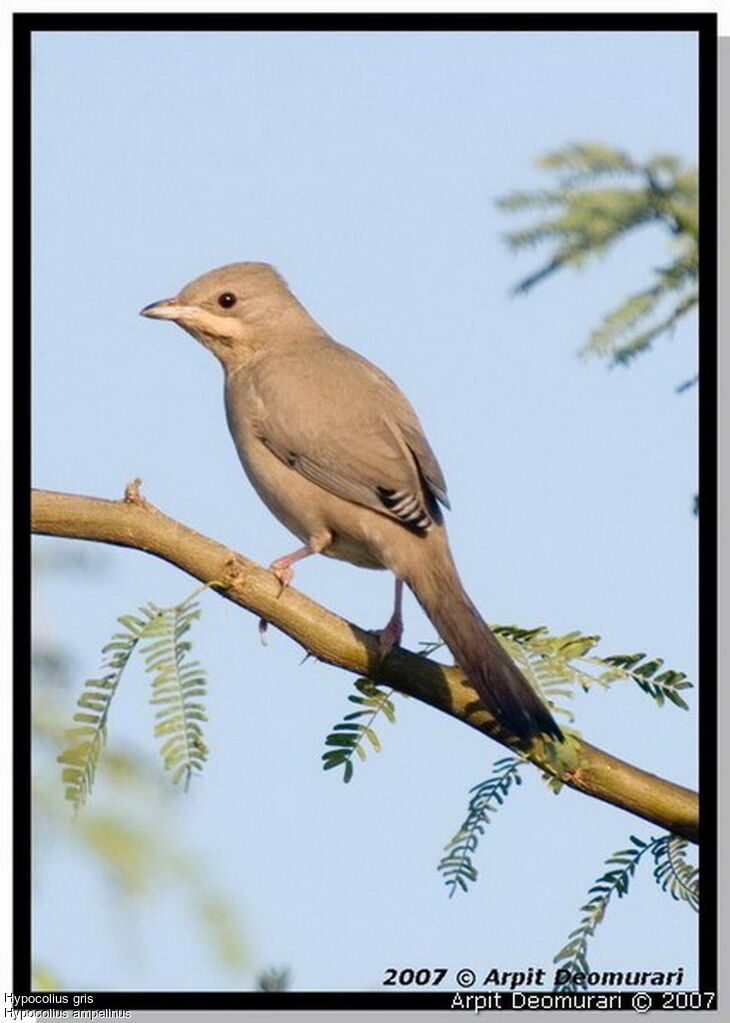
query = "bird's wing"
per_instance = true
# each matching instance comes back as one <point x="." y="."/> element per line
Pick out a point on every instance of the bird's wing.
<point x="342" y="423"/>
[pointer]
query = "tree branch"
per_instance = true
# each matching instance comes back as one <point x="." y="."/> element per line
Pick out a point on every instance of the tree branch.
<point x="133" y="522"/>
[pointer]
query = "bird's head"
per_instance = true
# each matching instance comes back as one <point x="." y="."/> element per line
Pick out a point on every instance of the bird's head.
<point x="232" y="310"/>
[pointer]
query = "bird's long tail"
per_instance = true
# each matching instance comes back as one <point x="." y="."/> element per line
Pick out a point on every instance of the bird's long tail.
<point x="502" y="687"/>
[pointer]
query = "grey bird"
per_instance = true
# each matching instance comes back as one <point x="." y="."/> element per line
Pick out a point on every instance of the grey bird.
<point x="337" y="453"/>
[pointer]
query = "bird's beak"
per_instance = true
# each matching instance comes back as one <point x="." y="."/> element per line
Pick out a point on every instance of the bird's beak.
<point x="167" y="309"/>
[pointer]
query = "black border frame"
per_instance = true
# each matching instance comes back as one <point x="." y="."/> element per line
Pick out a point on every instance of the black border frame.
<point x="24" y="25"/>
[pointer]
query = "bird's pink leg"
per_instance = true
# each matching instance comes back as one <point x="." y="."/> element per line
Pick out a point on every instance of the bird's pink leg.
<point x="391" y="635"/>
<point x="282" y="566"/>
<point x="284" y="573"/>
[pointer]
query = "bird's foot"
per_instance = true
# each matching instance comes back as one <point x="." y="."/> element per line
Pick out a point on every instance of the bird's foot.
<point x="283" y="572"/>
<point x="389" y="637"/>
<point x="282" y="567"/>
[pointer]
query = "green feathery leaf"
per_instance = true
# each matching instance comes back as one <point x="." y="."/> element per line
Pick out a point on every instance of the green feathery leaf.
<point x="588" y="215"/>
<point x="661" y="685"/>
<point x="80" y="757"/>
<point x="672" y="873"/>
<point x="348" y="737"/>
<point x="178" y="687"/>
<point x="457" y="866"/>
<point x="557" y="665"/>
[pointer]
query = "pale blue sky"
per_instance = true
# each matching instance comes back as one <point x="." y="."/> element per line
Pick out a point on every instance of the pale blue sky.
<point x="365" y="167"/>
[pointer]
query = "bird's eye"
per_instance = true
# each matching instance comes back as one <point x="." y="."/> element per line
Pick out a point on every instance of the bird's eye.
<point x="227" y="300"/>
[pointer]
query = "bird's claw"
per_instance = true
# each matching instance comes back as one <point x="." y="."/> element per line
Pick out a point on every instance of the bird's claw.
<point x="389" y="637"/>
<point x="283" y="573"/>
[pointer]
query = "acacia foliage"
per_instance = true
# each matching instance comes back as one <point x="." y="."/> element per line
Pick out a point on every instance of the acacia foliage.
<point x="599" y="196"/>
